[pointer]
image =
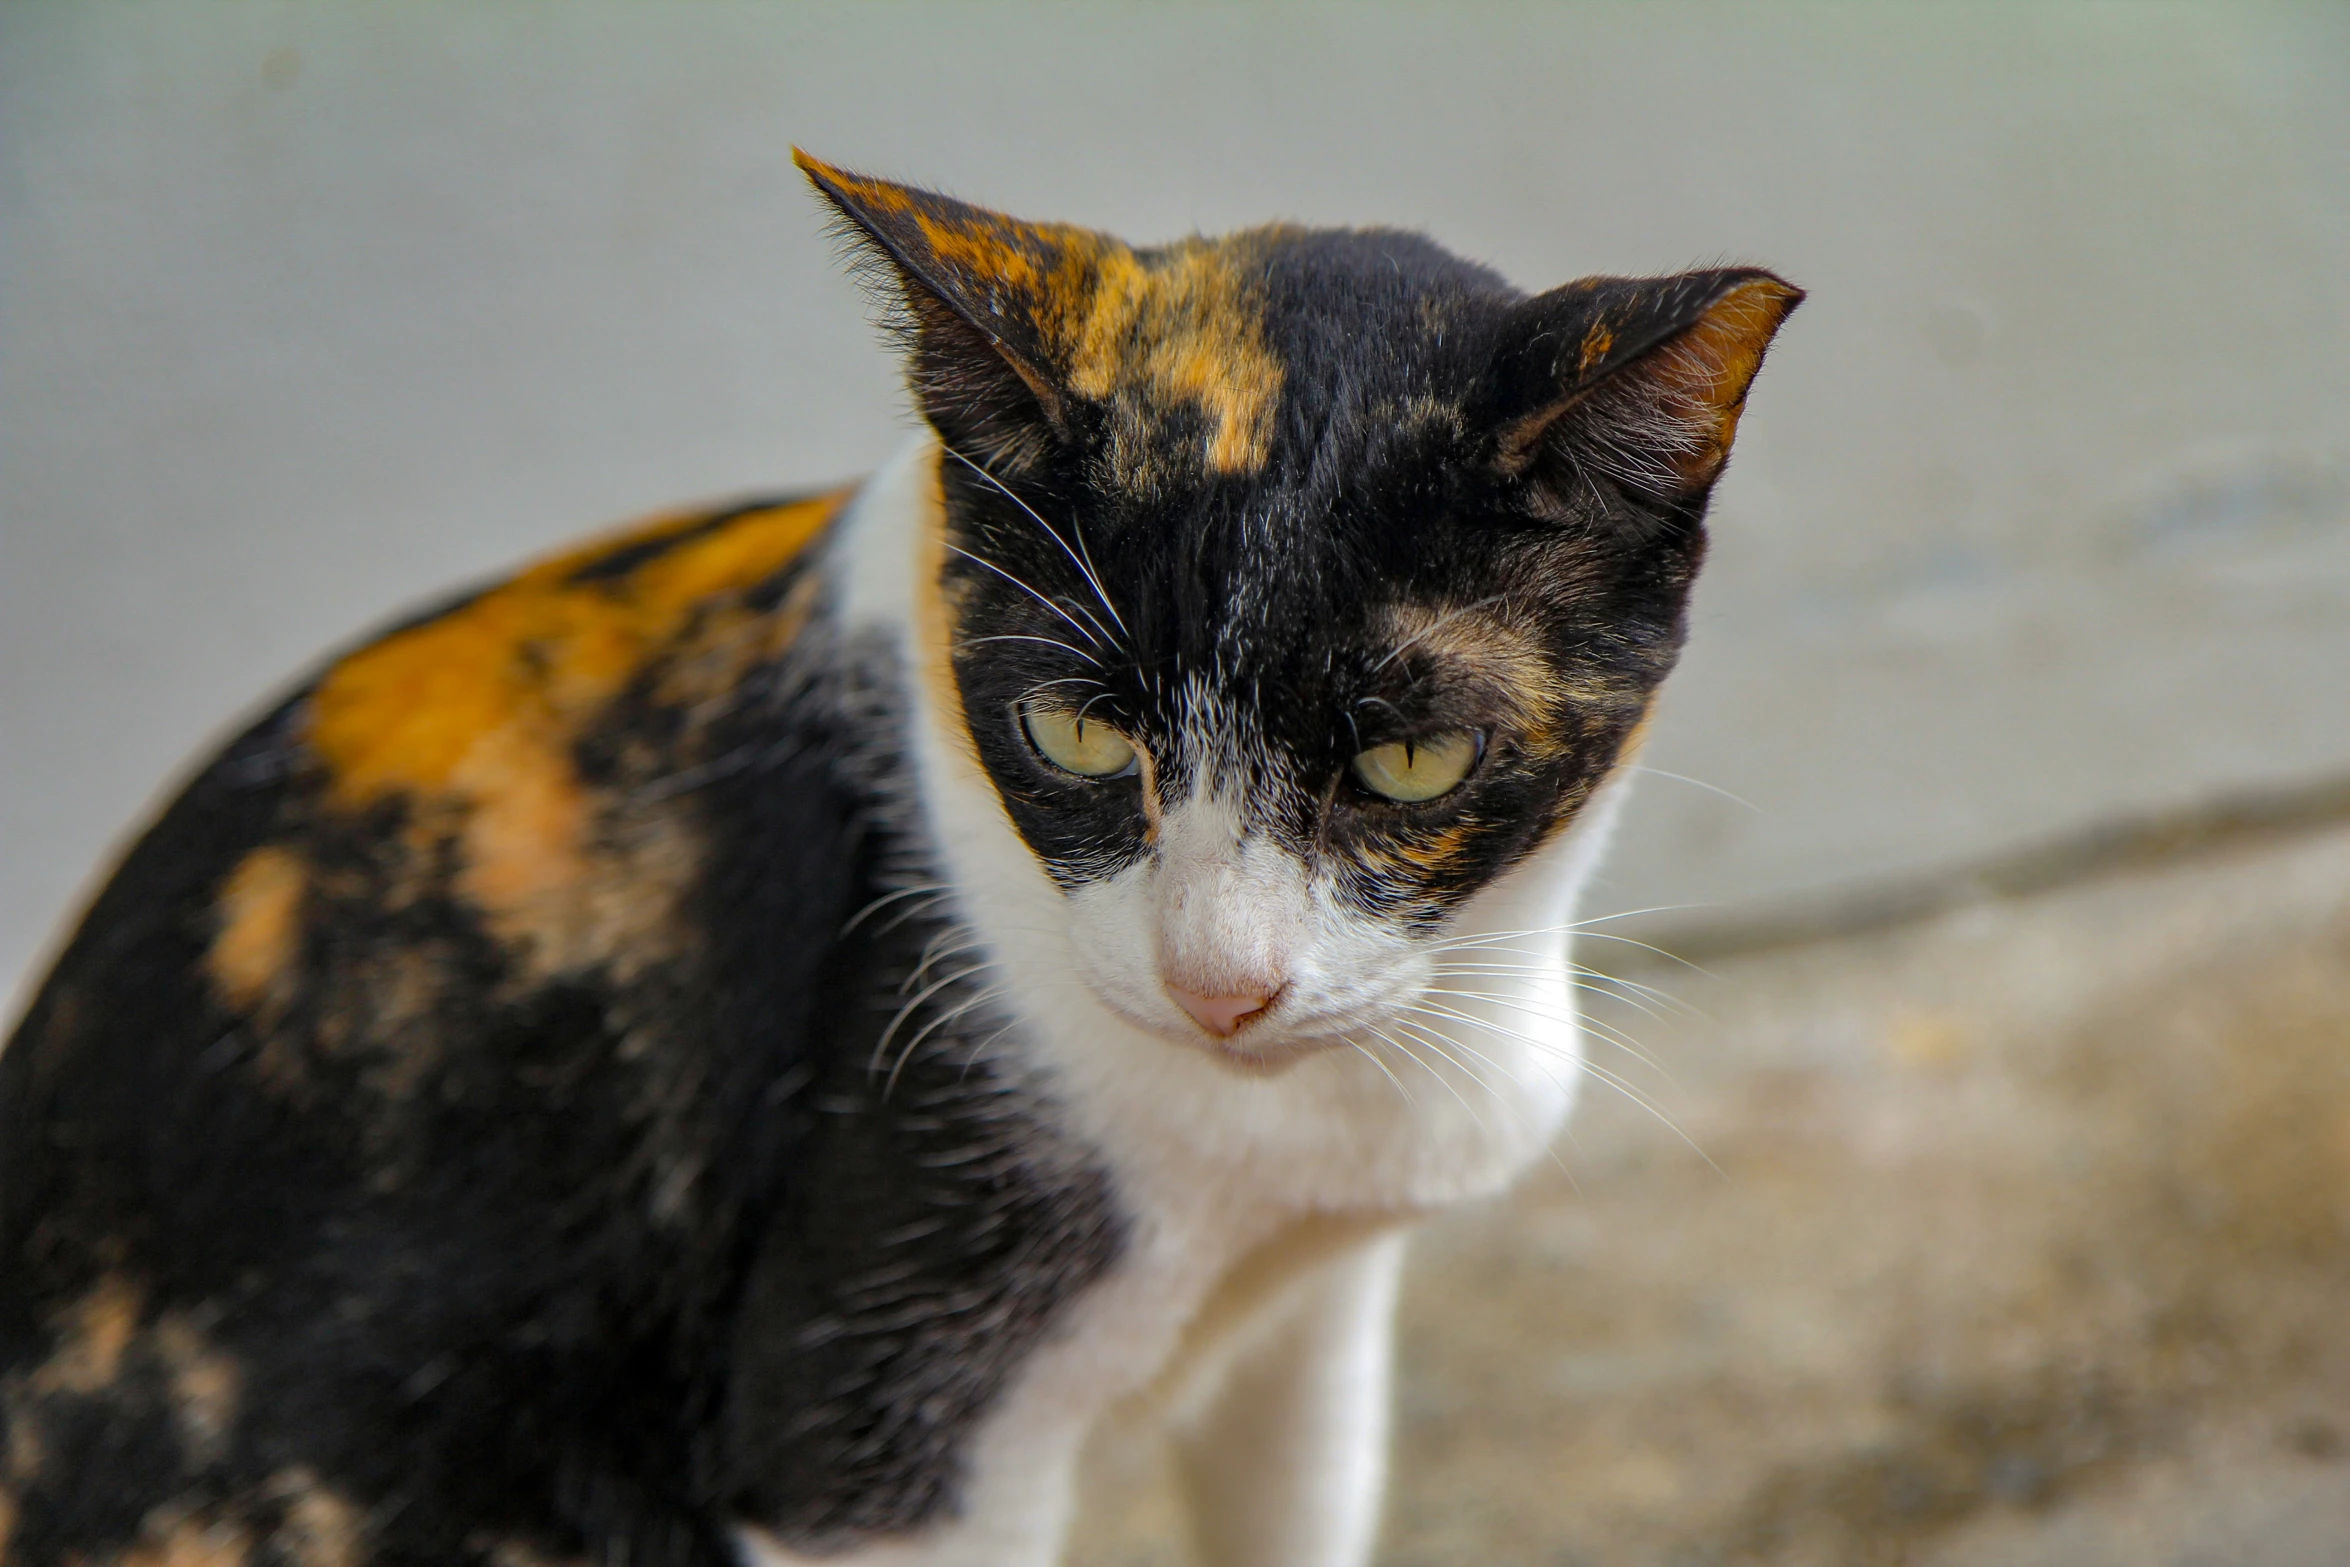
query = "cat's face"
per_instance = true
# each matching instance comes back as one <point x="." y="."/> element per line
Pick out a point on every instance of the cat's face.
<point x="1298" y="585"/>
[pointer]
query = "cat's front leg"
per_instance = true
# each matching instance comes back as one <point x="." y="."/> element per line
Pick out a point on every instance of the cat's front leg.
<point x="1283" y="1463"/>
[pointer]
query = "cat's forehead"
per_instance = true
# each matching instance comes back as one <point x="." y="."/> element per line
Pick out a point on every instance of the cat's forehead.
<point x="1277" y="353"/>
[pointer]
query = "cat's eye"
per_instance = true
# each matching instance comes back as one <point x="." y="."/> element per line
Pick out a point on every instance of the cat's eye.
<point x="1075" y="744"/>
<point x="1410" y="771"/>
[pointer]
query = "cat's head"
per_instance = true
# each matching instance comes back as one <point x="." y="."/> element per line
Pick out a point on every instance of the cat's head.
<point x="1298" y="584"/>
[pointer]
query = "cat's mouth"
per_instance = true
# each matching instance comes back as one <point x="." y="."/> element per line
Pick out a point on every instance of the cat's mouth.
<point x="1256" y="1036"/>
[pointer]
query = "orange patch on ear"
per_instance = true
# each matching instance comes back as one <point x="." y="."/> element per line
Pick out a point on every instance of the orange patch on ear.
<point x="1702" y="375"/>
<point x="1177" y="325"/>
<point x="1597" y="344"/>
<point x="260" y="925"/>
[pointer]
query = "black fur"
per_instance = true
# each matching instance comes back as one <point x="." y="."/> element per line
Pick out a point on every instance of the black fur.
<point x="469" y="1310"/>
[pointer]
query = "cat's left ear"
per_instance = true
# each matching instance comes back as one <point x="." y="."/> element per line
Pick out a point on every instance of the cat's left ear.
<point x="976" y="296"/>
<point x="1635" y="381"/>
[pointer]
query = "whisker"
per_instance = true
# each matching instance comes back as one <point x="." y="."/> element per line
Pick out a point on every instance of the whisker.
<point x="1010" y="636"/>
<point x="1366" y="1054"/>
<point x="1630" y="992"/>
<point x="1079" y="625"/>
<point x="1613" y="1079"/>
<point x="1550" y="1147"/>
<point x="881" y="1048"/>
<point x="947" y="943"/>
<point x="1046" y="685"/>
<point x="970" y="1003"/>
<point x="1572" y="926"/>
<point x="1570" y="1018"/>
<point x="1499" y="941"/>
<point x="1699" y="783"/>
<point x="1082" y="557"/>
<point x="1414" y="1056"/>
<point x="1438" y="1041"/>
<point x="886" y="899"/>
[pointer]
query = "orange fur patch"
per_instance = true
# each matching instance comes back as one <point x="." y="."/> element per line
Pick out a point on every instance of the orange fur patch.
<point x="1636" y="741"/>
<point x="1597" y="344"/>
<point x="187" y="1542"/>
<point x="532" y="656"/>
<point x="1181" y="328"/>
<point x="260" y="926"/>
<point x="1505" y="659"/>
<point x="322" y="1528"/>
<point x="474" y="714"/>
<point x="204" y="1385"/>
<point x="98" y="1332"/>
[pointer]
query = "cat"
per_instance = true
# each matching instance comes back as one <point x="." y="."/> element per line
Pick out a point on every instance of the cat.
<point x="741" y="1042"/>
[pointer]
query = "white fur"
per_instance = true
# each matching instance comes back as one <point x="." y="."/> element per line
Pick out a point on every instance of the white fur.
<point x="1210" y="1161"/>
<point x="1284" y="1467"/>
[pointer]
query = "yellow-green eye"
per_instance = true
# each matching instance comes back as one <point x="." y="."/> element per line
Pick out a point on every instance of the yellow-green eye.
<point x="1415" y="770"/>
<point x="1084" y="746"/>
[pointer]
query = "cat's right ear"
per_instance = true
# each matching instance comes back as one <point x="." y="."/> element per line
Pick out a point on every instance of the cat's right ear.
<point x="972" y="295"/>
<point x="1635" y="383"/>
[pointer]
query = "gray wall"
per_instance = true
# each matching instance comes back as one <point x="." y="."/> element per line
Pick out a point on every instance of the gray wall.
<point x="2042" y="510"/>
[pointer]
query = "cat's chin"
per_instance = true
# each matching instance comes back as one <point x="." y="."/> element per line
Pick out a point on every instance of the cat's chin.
<point x="1249" y="1059"/>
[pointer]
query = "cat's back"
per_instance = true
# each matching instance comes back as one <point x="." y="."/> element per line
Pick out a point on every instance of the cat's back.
<point x="413" y="1057"/>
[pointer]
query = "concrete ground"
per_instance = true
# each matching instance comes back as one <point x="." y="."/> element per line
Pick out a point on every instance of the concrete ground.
<point x="2018" y="1236"/>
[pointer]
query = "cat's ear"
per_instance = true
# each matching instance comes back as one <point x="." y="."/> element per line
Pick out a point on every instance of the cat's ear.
<point x="1635" y="381"/>
<point x="974" y="295"/>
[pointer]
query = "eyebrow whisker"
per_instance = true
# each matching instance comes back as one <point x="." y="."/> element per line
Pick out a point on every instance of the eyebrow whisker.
<point x="1081" y="557"/>
<point x="1031" y="592"/>
<point x="1438" y="624"/>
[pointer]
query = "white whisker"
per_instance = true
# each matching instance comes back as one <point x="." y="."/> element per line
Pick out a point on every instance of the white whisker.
<point x="931" y="889"/>
<point x="1612" y="1079"/>
<point x="1079" y="625"/>
<point x="1359" y="1049"/>
<point x="1699" y="783"/>
<point x="1082" y="557"/>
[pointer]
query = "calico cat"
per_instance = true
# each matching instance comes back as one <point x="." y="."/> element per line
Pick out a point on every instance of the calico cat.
<point x="741" y="1042"/>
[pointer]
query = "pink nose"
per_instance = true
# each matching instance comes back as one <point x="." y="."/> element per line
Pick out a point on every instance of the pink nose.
<point x="1221" y="1016"/>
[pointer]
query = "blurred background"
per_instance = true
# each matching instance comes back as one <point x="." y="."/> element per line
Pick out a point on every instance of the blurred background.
<point x="2007" y="1217"/>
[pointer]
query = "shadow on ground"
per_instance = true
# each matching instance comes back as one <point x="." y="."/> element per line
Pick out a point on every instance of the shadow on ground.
<point x="2019" y="1236"/>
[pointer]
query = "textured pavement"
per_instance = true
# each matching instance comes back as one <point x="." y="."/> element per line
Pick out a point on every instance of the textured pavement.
<point x="2020" y="1236"/>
